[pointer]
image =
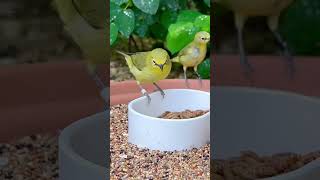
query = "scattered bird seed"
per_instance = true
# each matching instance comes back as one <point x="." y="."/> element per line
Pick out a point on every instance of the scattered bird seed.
<point x="130" y="162"/>
<point x="29" y="158"/>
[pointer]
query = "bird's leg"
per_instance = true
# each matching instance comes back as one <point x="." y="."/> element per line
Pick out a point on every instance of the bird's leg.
<point x="102" y="87"/>
<point x="240" y="21"/>
<point x="159" y="89"/>
<point x="273" y="22"/>
<point x="195" y="68"/>
<point x="144" y="92"/>
<point x="286" y="52"/>
<point x="185" y="76"/>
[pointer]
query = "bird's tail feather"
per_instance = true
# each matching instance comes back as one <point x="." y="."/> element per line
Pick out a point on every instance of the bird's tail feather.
<point x="176" y="59"/>
<point x="127" y="57"/>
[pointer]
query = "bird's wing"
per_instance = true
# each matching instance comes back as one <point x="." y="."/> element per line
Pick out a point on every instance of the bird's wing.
<point x="139" y="59"/>
<point x="186" y="50"/>
<point x="186" y="53"/>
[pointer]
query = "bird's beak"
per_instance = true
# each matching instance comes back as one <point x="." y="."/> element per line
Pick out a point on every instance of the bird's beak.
<point x="161" y="67"/>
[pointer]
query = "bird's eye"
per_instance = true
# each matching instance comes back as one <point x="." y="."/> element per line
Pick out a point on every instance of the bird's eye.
<point x="154" y="62"/>
<point x="203" y="38"/>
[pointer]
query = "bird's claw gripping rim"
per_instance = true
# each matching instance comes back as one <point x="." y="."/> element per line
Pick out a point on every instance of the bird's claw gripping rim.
<point x="145" y="93"/>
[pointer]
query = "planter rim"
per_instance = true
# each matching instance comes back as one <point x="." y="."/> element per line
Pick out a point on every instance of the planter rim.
<point x="168" y="120"/>
<point x="125" y="91"/>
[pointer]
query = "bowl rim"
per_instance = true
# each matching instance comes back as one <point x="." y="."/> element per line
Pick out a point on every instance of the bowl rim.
<point x="65" y="142"/>
<point x="206" y="115"/>
<point x="314" y="99"/>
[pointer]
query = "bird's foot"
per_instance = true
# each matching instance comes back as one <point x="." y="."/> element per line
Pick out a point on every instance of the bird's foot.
<point x="286" y="53"/>
<point x="145" y="93"/>
<point x="248" y="69"/>
<point x="200" y="82"/>
<point x="290" y="65"/>
<point x="161" y="92"/>
<point x="187" y="83"/>
<point x="159" y="89"/>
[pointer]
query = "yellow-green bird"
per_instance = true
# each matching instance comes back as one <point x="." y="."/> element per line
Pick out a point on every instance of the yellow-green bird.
<point x="250" y="8"/>
<point x="193" y="54"/>
<point x="149" y="67"/>
<point x="86" y="22"/>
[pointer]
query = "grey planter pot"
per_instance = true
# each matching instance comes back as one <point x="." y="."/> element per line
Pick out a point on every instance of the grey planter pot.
<point x="266" y="122"/>
<point x="83" y="149"/>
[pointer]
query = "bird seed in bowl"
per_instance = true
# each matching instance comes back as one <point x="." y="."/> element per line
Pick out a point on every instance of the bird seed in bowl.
<point x="187" y="114"/>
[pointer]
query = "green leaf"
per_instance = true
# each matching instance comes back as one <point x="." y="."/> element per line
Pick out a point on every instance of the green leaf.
<point x="172" y="5"/>
<point x="113" y="33"/>
<point x="204" y="69"/>
<point x="300" y="27"/>
<point x="183" y="4"/>
<point x="119" y="2"/>
<point x="207" y="2"/>
<point x="158" y="31"/>
<point x="188" y="16"/>
<point x="115" y="10"/>
<point x="142" y="22"/>
<point x="167" y="18"/>
<point x="125" y="22"/>
<point x="147" y="6"/>
<point x="203" y="22"/>
<point x="179" y="35"/>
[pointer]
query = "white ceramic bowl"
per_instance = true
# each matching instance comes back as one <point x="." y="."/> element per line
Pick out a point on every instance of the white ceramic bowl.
<point x="83" y="149"/>
<point x="148" y="131"/>
<point x="266" y="122"/>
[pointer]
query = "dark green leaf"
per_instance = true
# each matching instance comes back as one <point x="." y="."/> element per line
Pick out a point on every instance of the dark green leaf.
<point x="147" y="6"/>
<point x="183" y="4"/>
<point x="115" y="10"/>
<point x="207" y="2"/>
<point x="167" y="18"/>
<point x="172" y="5"/>
<point x="158" y="31"/>
<point x="203" y="22"/>
<point x="125" y="22"/>
<point x="142" y="22"/>
<point x="119" y="2"/>
<point x="179" y="35"/>
<point x="188" y="16"/>
<point x="204" y="69"/>
<point x="300" y="27"/>
<point x="113" y="33"/>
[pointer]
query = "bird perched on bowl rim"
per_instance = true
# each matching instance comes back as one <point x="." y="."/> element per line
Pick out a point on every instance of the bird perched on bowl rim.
<point x="250" y="8"/>
<point x="193" y="54"/>
<point x="149" y="67"/>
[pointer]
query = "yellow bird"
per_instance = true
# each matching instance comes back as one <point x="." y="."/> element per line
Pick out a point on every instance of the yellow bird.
<point x="149" y="67"/>
<point x="193" y="54"/>
<point x="250" y="8"/>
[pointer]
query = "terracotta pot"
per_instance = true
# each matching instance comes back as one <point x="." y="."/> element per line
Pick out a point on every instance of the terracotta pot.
<point x="270" y="72"/>
<point x="126" y="91"/>
<point x="45" y="97"/>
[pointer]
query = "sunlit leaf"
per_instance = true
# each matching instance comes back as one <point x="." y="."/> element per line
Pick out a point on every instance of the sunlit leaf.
<point x="147" y="6"/>
<point x="179" y="35"/>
